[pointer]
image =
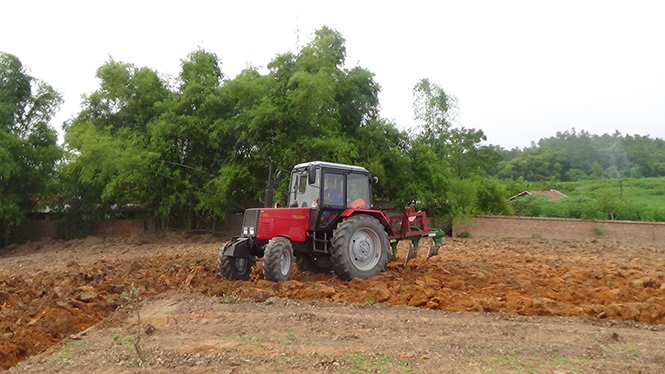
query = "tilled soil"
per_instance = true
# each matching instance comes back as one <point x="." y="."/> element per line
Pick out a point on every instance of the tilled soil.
<point x="50" y="291"/>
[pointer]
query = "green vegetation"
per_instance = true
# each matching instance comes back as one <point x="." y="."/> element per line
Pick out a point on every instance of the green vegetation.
<point x="193" y="149"/>
<point x="130" y="297"/>
<point x="605" y="177"/>
<point x="572" y="156"/>
<point x="292" y="338"/>
<point x="229" y="299"/>
<point x="66" y="349"/>
<point x="649" y="191"/>
<point x="520" y="364"/>
<point x="360" y="362"/>
<point x="244" y="340"/>
<point x="28" y="147"/>
<point x="633" y="199"/>
<point x="600" y="230"/>
<point x="124" y="342"/>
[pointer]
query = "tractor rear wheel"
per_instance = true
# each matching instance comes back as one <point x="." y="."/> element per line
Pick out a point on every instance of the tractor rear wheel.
<point x="234" y="268"/>
<point x="278" y="259"/>
<point x="319" y="265"/>
<point x="360" y="247"/>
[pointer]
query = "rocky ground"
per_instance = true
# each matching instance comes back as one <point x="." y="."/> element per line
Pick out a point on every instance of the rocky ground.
<point x="155" y="303"/>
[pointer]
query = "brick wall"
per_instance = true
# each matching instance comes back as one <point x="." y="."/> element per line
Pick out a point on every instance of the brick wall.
<point x="121" y="227"/>
<point x="561" y="228"/>
<point x="43" y="226"/>
<point x="232" y="224"/>
<point x="36" y="230"/>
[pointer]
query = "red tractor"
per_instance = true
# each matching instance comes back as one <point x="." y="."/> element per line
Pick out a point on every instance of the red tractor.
<point x="329" y="225"/>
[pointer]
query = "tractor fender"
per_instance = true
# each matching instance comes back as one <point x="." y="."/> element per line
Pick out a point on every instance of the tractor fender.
<point x="240" y="247"/>
<point x="378" y="214"/>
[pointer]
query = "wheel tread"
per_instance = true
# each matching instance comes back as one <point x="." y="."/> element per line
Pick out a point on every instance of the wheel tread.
<point x="271" y="259"/>
<point x="227" y="269"/>
<point x="340" y="235"/>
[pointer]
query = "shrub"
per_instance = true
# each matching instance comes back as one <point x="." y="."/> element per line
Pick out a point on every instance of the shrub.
<point x="599" y="230"/>
<point x="531" y="205"/>
<point x="491" y="197"/>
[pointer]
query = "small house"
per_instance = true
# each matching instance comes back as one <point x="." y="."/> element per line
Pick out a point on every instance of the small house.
<point x="553" y="195"/>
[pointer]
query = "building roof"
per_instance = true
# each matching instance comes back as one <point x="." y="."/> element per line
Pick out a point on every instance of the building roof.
<point x="553" y="195"/>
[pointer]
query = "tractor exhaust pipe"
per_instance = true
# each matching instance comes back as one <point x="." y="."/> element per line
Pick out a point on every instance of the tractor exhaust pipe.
<point x="268" y="195"/>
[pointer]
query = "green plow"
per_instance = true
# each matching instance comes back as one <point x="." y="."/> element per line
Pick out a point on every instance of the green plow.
<point x="433" y="248"/>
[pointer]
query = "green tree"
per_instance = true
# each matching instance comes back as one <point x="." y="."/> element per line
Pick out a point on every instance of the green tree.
<point x="28" y="145"/>
<point x="201" y="148"/>
<point x="612" y="203"/>
<point x="128" y="98"/>
<point x="467" y="157"/>
<point x="459" y="148"/>
<point x="108" y="159"/>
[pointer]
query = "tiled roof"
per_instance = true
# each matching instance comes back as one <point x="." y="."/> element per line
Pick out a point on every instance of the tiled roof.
<point x="553" y="195"/>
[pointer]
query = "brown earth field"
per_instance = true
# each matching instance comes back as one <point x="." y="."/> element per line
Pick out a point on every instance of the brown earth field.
<point x="155" y="303"/>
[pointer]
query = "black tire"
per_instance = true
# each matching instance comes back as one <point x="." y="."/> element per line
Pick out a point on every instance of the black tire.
<point x="319" y="265"/>
<point x="360" y="247"/>
<point x="234" y="268"/>
<point x="278" y="259"/>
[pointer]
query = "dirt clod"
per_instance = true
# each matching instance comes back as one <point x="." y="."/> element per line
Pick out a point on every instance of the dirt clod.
<point x="148" y="329"/>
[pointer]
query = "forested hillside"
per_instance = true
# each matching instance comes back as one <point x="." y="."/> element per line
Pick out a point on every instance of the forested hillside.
<point x="573" y="156"/>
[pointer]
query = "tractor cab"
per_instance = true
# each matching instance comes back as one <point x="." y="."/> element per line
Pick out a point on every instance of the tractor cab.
<point x="328" y="189"/>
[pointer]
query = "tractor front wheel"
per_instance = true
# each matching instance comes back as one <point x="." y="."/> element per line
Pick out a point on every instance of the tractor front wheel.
<point x="360" y="247"/>
<point x="278" y="259"/>
<point x="234" y="268"/>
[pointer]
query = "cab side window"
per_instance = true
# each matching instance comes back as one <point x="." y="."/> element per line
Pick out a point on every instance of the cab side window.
<point x="358" y="193"/>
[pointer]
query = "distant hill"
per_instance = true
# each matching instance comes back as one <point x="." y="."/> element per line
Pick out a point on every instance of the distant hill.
<point x="573" y="156"/>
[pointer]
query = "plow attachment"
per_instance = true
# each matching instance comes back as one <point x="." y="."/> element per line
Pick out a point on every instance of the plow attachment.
<point x="413" y="226"/>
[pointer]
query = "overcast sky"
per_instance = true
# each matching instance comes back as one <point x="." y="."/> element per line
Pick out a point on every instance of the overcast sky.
<point x="521" y="70"/>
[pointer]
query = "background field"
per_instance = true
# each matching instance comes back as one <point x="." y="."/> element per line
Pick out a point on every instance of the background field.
<point x="633" y="199"/>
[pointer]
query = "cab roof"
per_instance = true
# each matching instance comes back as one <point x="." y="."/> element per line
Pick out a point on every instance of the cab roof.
<point x="331" y="165"/>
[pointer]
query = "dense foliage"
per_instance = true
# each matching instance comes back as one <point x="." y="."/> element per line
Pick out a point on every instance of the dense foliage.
<point x="191" y="149"/>
<point x="573" y="156"/>
<point x="28" y="149"/>
<point x="198" y="148"/>
<point x="632" y="199"/>
<point x="603" y="175"/>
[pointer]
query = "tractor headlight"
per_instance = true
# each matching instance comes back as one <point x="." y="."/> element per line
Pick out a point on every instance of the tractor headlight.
<point x="251" y="231"/>
<point x="245" y="230"/>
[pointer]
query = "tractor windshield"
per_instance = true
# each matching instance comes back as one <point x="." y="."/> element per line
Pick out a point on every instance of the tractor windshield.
<point x="302" y="194"/>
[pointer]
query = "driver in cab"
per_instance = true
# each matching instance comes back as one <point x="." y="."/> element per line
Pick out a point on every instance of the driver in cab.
<point x="331" y="195"/>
